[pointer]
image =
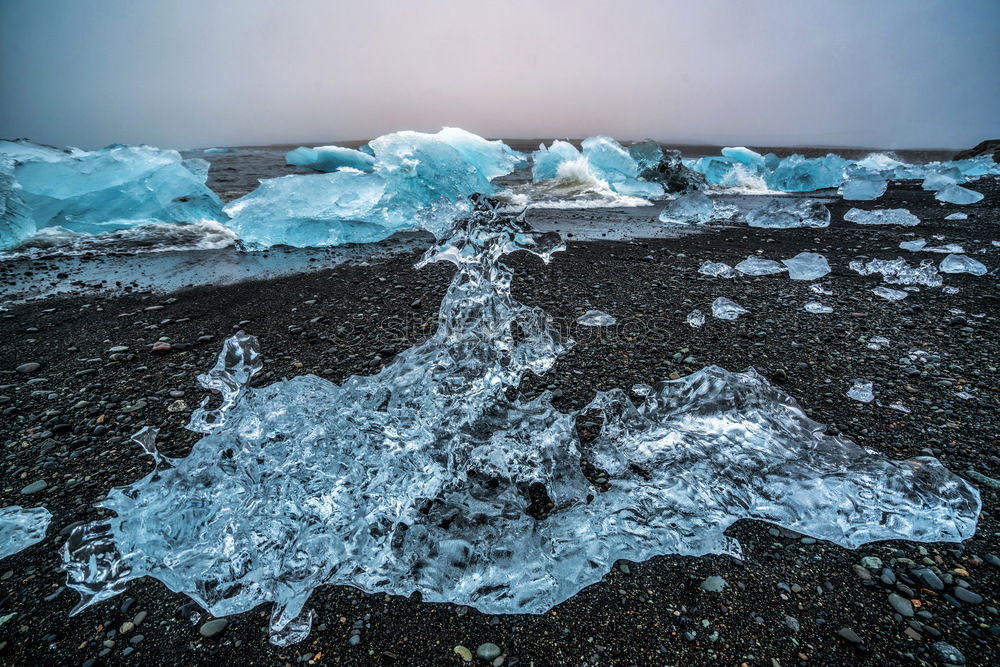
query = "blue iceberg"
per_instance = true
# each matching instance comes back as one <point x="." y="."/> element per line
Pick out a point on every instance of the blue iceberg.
<point x="330" y="158"/>
<point x="16" y="223"/>
<point x="863" y="185"/>
<point x="800" y="174"/>
<point x="602" y="160"/>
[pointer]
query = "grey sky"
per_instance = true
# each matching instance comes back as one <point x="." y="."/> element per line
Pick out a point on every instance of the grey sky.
<point x="177" y="73"/>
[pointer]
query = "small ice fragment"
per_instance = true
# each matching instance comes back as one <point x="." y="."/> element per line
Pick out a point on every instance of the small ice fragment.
<point x="957" y="216"/>
<point x="956" y="194"/>
<point x="782" y="214"/>
<point x="877" y="342"/>
<point x="914" y="245"/>
<point x="920" y="245"/>
<point x="726" y="309"/>
<point x="806" y="266"/>
<point x="885" y="216"/>
<point x="757" y="266"/>
<point x="641" y="389"/>
<point x="596" y="318"/>
<point x="691" y="207"/>
<point x="819" y="289"/>
<point x="949" y="289"/>
<point x="861" y="391"/>
<point x="717" y="269"/>
<point x="817" y="307"/>
<point x="21" y="527"/>
<point x="889" y="293"/>
<point x="962" y="264"/>
<point x="898" y="272"/>
<point x="965" y="396"/>
<point x="696" y="318"/>
<point x="899" y="406"/>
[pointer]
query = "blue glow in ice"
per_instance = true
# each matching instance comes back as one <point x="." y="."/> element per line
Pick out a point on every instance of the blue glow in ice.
<point x="330" y="158"/>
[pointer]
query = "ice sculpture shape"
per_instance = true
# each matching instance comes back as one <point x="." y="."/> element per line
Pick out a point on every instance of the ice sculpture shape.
<point x="690" y="207"/>
<point x="800" y="174"/>
<point x="863" y="185"/>
<point x="817" y="307"/>
<point x="962" y="264"/>
<point x="16" y="223"/>
<point x="757" y="266"/>
<point x="20" y="527"/>
<point x="807" y="266"/>
<point x="696" y="319"/>
<point x="861" y="391"/>
<point x="596" y="318"/>
<point x="956" y="194"/>
<point x="898" y="272"/>
<point x="884" y="216"/>
<point x="727" y="309"/>
<point x="330" y="158"/>
<point x="426" y="477"/>
<point x="717" y="269"/>
<point x="888" y="293"/>
<point x="785" y="214"/>
<point x="114" y="188"/>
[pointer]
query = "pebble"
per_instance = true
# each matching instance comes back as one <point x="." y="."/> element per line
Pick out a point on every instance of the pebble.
<point x="965" y="595"/>
<point x="714" y="584"/>
<point x="487" y="651"/>
<point x="213" y="627"/>
<point x="464" y="653"/>
<point x="35" y="487"/>
<point x="928" y="578"/>
<point x="949" y="654"/>
<point x="871" y="563"/>
<point x="901" y="605"/>
<point x="159" y="347"/>
<point x="29" y="367"/>
<point x="850" y="635"/>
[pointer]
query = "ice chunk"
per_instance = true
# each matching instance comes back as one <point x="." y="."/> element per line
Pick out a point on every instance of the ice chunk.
<point x="898" y="272"/>
<point x="785" y="214"/>
<point x="817" y="307"/>
<point x="20" y="527"/>
<point x="330" y="158"/>
<point x="807" y="266"/>
<point x="962" y="264"/>
<point x="878" y="342"/>
<point x="862" y="184"/>
<point x="603" y="159"/>
<point x="16" y="223"/>
<point x="888" y="293"/>
<point x="956" y="194"/>
<point x="880" y="162"/>
<point x="670" y="172"/>
<point x="727" y="309"/>
<point x="861" y="391"/>
<point x="27" y="151"/>
<point x="717" y="269"/>
<point x="596" y="318"/>
<point x="884" y="216"/>
<point x="757" y="266"/>
<point x="745" y="156"/>
<point x="691" y="207"/>
<point x="546" y="161"/>
<point x="913" y="246"/>
<point x="647" y="154"/>
<point x="921" y="245"/>
<point x="800" y="174"/>
<point x="939" y="181"/>
<point x="491" y="159"/>
<point x="696" y="318"/>
<point x="819" y="289"/>
<point x="956" y="216"/>
<point x="899" y="407"/>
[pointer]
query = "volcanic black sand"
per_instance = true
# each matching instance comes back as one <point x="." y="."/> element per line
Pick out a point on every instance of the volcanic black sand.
<point x="793" y="600"/>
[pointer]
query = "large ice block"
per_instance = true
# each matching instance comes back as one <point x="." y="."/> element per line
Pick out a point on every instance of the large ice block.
<point x="786" y="214"/>
<point x="807" y="266"/>
<point x="330" y="158"/>
<point x="956" y="194"/>
<point x="16" y="223"/>
<point x="696" y="207"/>
<point x="884" y="216"/>
<point x="800" y="174"/>
<point x="862" y="185"/>
<point x="602" y="158"/>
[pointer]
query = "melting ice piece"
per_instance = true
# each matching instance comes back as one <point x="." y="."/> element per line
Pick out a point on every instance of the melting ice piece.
<point x="785" y="214"/>
<point x="962" y="264"/>
<point x="21" y="527"/>
<point x="596" y="318"/>
<point x="861" y="391"/>
<point x="863" y="185"/>
<point x="727" y="309"/>
<point x="817" y="307"/>
<point x="939" y="181"/>
<point x="899" y="406"/>
<point x="957" y="216"/>
<point x="921" y="245"/>
<point x="898" y="272"/>
<point x="424" y="477"/>
<point x="757" y="266"/>
<point x="878" y="342"/>
<point x="885" y="216"/>
<point x="16" y="223"/>
<point x="888" y="293"/>
<point x="956" y="194"/>
<point x="819" y="289"/>
<point x="690" y="207"/>
<point x="545" y="161"/>
<point x="807" y="266"/>
<point x="914" y="245"/>
<point x="717" y="269"/>
<point x="330" y="158"/>
<point x="696" y="318"/>
<point x="800" y="174"/>
<point x="745" y="155"/>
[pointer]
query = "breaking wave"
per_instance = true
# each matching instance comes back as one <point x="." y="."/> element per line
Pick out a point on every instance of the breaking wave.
<point x="575" y="186"/>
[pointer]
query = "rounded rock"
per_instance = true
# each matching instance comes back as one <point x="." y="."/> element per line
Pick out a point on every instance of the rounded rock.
<point x="488" y="651"/>
<point x="213" y="627"/>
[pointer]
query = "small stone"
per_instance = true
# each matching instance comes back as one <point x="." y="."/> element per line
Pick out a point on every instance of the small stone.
<point x="487" y="651"/>
<point x="871" y="563"/>
<point x="35" y="487"/>
<point x="902" y="606"/>
<point x="965" y="595"/>
<point x="464" y="653"/>
<point x="714" y="584"/>
<point x="159" y="347"/>
<point x="850" y="635"/>
<point x="949" y="654"/>
<point x="213" y="627"/>
<point x="29" y="367"/>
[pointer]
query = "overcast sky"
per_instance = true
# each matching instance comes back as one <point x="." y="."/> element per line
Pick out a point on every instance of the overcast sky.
<point x="187" y="73"/>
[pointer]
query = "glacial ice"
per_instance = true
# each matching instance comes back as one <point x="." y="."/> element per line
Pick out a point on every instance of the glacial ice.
<point x="436" y="476"/>
<point x="941" y="180"/>
<point x="888" y="293"/>
<point x="899" y="272"/>
<point x="20" y="527"/>
<point x="885" y="216"/>
<point x="596" y="318"/>
<point x="727" y="309"/>
<point x="330" y="158"/>
<point x="921" y="246"/>
<point x="862" y="185"/>
<point x="956" y="194"/>
<point x="646" y="153"/>
<point x="957" y="216"/>
<point x="696" y="319"/>
<point x="693" y="206"/>
<point x="962" y="264"/>
<point x="807" y="266"/>
<point x="745" y="156"/>
<point x="545" y="161"/>
<point x="861" y="391"/>
<point x="817" y="307"/>
<point x="16" y="223"/>
<point x="716" y="269"/>
<point x="785" y="214"/>
<point x="602" y="158"/>
<point x="758" y="266"/>
<point x="878" y="342"/>
<point x="800" y="174"/>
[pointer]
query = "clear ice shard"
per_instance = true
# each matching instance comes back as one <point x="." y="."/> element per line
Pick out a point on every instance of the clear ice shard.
<point x="788" y="214"/>
<point x="957" y="216"/>
<point x="758" y="266"/>
<point x="425" y="476"/>
<point x="817" y="307"/>
<point x="16" y="223"/>
<point x="962" y="264"/>
<point x="693" y="206"/>
<point x="807" y="266"/>
<point x="939" y="181"/>
<point x="20" y="527"/>
<point x="885" y="216"/>
<point x="596" y="318"/>
<point x="727" y="309"/>
<point x="861" y="391"/>
<point x="956" y="194"/>
<point x="863" y="185"/>
<point x="113" y="188"/>
<point x="898" y="272"/>
<point x="800" y="174"/>
<point x="888" y="293"/>
<point x="330" y="158"/>
<point x="717" y="269"/>
<point x="921" y="246"/>
<point x="696" y="319"/>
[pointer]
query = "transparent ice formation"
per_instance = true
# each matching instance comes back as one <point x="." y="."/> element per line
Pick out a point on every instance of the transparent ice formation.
<point x="596" y="318"/>
<point x="817" y="307"/>
<point x="819" y="289"/>
<point x="920" y="245"/>
<point x="696" y="319"/>
<point x="956" y="194"/>
<point x="694" y="207"/>
<point x="898" y="272"/>
<point x="20" y="527"/>
<point x="717" y="269"/>
<point x="745" y="156"/>
<point x="899" y="407"/>
<point x="878" y="342"/>
<point x="957" y="216"/>
<point x="863" y="185"/>
<point x="330" y="158"/>
<point x="800" y="174"/>
<point x="758" y="266"/>
<point x="885" y="216"/>
<point x="962" y="264"/>
<point x="787" y="214"/>
<point x="16" y="223"/>
<point x="888" y="293"/>
<point x="939" y="181"/>
<point x="727" y="309"/>
<point x="436" y="476"/>
<point x="861" y="391"/>
<point x="807" y="266"/>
